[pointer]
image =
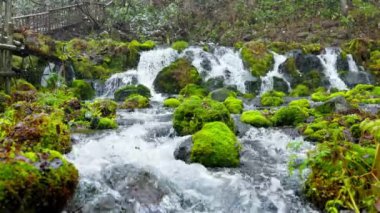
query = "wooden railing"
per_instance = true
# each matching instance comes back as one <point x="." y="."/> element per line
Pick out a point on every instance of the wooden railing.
<point x="61" y="17"/>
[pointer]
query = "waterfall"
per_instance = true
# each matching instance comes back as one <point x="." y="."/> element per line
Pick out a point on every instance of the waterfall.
<point x="267" y="82"/>
<point x="221" y="62"/>
<point x="352" y="64"/>
<point x="118" y="80"/>
<point x="328" y="60"/>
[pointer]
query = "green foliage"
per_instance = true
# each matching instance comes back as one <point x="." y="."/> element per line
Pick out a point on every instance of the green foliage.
<point x="255" y="118"/>
<point x="180" y="45"/>
<point x="172" y="102"/>
<point x="257" y="57"/>
<point x="176" y="77"/>
<point x="215" y="145"/>
<point x="104" y="108"/>
<point x="105" y="123"/>
<point x="135" y="101"/>
<point x="289" y="116"/>
<point x="272" y="98"/>
<point x="54" y="98"/>
<point x="300" y="91"/>
<point x="301" y="103"/>
<point x="36" y="182"/>
<point x="193" y="89"/>
<point x="148" y="45"/>
<point x="234" y="105"/>
<point x="122" y="93"/>
<point x="5" y="101"/>
<point x="193" y="113"/>
<point x="82" y="90"/>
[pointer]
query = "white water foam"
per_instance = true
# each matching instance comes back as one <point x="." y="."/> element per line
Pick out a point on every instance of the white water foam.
<point x="267" y="81"/>
<point x="328" y="60"/>
<point x="353" y="67"/>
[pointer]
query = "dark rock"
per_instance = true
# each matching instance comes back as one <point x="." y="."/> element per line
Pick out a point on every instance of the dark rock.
<point x="183" y="151"/>
<point x="206" y="64"/>
<point x="307" y="63"/>
<point x="220" y="94"/>
<point x="337" y="105"/>
<point x="279" y="84"/>
<point x="214" y="83"/>
<point x="253" y="86"/>
<point x="353" y="78"/>
<point x="341" y="63"/>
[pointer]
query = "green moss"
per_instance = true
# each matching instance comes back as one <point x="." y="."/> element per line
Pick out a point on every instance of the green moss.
<point x="193" y="113"/>
<point x="215" y="145"/>
<point x="104" y="108"/>
<point x="122" y="93"/>
<point x="44" y="182"/>
<point x="234" y="105"/>
<point x="302" y="103"/>
<point x="300" y="91"/>
<point x="376" y="91"/>
<point x="180" y="45"/>
<point x="193" y="89"/>
<point x="175" y="77"/>
<point x="148" y="45"/>
<point x="272" y="98"/>
<point x="256" y="56"/>
<point x="82" y="90"/>
<point x="5" y="101"/>
<point x="311" y="49"/>
<point x="106" y="123"/>
<point x="23" y="91"/>
<point x="172" y="102"/>
<point x="255" y="118"/>
<point x="135" y="101"/>
<point x="289" y="116"/>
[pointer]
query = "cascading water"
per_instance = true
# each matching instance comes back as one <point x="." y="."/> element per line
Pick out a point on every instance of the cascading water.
<point x="133" y="169"/>
<point x="118" y="80"/>
<point x="352" y="64"/>
<point x="267" y="81"/>
<point x="329" y="59"/>
<point x="222" y="62"/>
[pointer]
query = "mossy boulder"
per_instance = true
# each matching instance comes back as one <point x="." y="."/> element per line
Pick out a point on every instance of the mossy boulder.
<point x="193" y="89"/>
<point x="103" y="123"/>
<point x="5" y="101"/>
<point x="256" y="56"/>
<point x="122" y="93"/>
<point x="234" y="105"/>
<point x="289" y="116"/>
<point x="175" y="77"/>
<point x="255" y="118"/>
<point x="23" y="91"/>
<point x="83" y="90"/>
<point x="300" y="91"/>
<point x="36" y="182"/>
<point x="104" y="108"/>
<point x="180" y="45"/>
<point x="302" y="103"/>
<point x="193" y="113"/>
<point x="337" y="104"/>
<point x="135" y="102"/>
<point x="41" y="131"/>
<point x="172" y="103"/>
<point x="215" y="145"/>
<point x="272" y="98"/>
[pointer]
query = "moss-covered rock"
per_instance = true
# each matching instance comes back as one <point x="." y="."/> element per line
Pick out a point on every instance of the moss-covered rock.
<point x="300" y="91"/>
<point x="180" y="45"/>
<point x="104" y="108"/>
<point x="172" y="102"/>
<point x="337" y="104"/>
<point x="272" y="98"/>
<point x="193" y="113"/>
<point x="23" y="91"/>
<point x="5" y="101"/>
<point x="289" y="116"/>
<point x="221" y="94"/>
<point x="176" y="77"/>
<point x="215" y="145"/>
<point x="122" y="93"/>
<point x="234" y="105"/>
<point x="255" y="118"/>
<point x="83" y="90"/>
<point x="36" y="182"/>
<point x="193" y="89"/>
<point x="135" y="102"/>
<point x="103" y="123"/>
<point x="257" y="57"/>
<point x="302" y="103"/>
<point x="40" y="131"/>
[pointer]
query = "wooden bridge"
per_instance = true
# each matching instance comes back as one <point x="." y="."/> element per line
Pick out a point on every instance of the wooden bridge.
<point x="44" y="22"/>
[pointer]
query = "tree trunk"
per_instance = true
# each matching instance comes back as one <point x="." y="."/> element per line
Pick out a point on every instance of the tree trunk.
<point x="344" y="7"/>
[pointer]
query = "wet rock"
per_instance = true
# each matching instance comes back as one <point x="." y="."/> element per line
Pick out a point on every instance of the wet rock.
<point x="337" y="105"/>
<point x="241" y="128"/>
<point x="214" y="83"/>
<point x="307" y="63"/>
<point x="221" y="94"/>
<point x="206" y="64"/>
<point x="341" y="63"/>
<point x="253" y="86"/>
<point x="183" y="151"/>
<point x="353" y="78"/>
<point x="279" y="84"/>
